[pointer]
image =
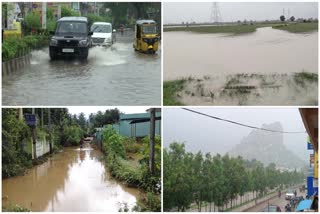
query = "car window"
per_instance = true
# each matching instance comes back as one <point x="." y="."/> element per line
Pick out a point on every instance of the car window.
<point x="152" y="29"/>
<point x="70" y="27"/>
<point x="101" y="28"/>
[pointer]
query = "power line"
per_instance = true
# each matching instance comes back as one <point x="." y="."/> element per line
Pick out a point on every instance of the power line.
<point x="241" y="124"/>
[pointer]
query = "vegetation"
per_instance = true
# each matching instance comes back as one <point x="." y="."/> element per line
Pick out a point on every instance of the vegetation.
<point x="15" y="160"/>
<point x="301" y="27"/>
<point x="233" y="29"/>
<point x="303" y="78"/>
<point x="132" y="175"/>
<point x="170" y="90"/>
<point x="14" y="208"/>
<point x="197" y="178"/>
<point x="66" y="130"/>
<point x="14" y="47"/>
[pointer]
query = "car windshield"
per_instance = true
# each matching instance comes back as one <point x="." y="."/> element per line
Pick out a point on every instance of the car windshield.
<point x="71" y="27"/>
<point x="101" y="28"/>
<point x="149" y="29"/>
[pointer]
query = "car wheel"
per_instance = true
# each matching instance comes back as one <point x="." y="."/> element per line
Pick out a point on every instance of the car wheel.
<point x="52" y="55"/>
<point x="84" y="55"/>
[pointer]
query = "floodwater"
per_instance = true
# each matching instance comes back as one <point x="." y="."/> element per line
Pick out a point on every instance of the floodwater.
<point x="258" y="68"/>
<point x="265" y="51"/>
<point x="115" y="75"/>
<point x="73" y="180"/>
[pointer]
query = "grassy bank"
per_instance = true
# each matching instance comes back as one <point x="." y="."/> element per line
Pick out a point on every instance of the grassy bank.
<point x="242" y="29"/>
<point x="298" y="27"/>
<point x="121" y="156"/>
<point x="14" y="208"/>
<point x="15" y="47"/>
<point x="232" y="29"/>
<point x="170" y="90"/>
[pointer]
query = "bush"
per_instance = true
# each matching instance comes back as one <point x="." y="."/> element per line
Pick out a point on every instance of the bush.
<point x="32" y="21"/>
<point x="66" y="11"/>
<point x="72" y="135"/>
<point x="113" y="142"/>
<point x="14" y="208"/>
<point x="14" y="47"/>
<point x="15" y="160"/>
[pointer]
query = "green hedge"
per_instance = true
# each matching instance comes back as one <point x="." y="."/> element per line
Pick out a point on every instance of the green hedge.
<point x="15" y="47"/>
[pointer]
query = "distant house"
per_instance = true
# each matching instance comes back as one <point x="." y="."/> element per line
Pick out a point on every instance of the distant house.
<point x="137" y="125"/>
<point x="133" y="125"/>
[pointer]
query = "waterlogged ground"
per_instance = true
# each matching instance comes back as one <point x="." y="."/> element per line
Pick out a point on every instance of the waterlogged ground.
<point x="111" y="76"/>
<point x="251" y="89"/>
<point x="262" y="65"/>
<point x="74" y="180"/>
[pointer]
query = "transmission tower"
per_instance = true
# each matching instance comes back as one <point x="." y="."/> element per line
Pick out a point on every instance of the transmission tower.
<point x="215" y="13"/>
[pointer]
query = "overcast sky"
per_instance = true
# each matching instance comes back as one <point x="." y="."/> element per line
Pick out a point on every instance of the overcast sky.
<point x="214" y="136"/>
<point x="87" y="110"/>
<point x="175" y="12"/>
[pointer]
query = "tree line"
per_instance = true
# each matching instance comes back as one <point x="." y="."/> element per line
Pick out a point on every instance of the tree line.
<point x="56" y="125"/>
<point x="205" y="179"/>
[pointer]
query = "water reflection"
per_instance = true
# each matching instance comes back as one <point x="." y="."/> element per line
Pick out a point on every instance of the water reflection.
<point x="73" y="180"/>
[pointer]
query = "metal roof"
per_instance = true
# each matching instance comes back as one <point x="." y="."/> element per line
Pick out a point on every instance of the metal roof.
<point x="143" y="120"/>
<point x="73" y="18"/>
<point x="145" y="21"/>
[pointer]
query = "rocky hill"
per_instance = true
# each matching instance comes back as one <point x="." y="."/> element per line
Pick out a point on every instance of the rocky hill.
<point x="267" y="147"/>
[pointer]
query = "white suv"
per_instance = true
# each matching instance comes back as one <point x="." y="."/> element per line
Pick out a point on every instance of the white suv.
<point x="102" y="34"/>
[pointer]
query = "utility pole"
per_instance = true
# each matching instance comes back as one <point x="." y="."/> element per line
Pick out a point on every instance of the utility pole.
<point x="49" y="128"/>
<point x="20" y="114"/>
<point x="152" y="139"/>
<point x="41" y="118"/>
<point x="34" y="139"/>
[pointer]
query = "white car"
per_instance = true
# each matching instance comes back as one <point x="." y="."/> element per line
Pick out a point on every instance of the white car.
<point x="102" y="34"/>
<point x="289" y="194"/>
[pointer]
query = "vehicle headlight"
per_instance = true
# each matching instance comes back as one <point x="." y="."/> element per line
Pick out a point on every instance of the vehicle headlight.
<point x="53" y="42"/>
<point x="107" y="40"/>
<point x="145" y="39"/>
<point x="83" y="43"/>
<point x="155" y="39"/>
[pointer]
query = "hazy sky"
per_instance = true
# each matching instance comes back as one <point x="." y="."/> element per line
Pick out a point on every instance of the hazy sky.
<point x="214" y="136"/>
<point x="87" y="110"/>
<point x="175" y="12"/>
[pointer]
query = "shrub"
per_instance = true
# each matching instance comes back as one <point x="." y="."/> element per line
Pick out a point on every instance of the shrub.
<point x="32" y="21"/>
<point x="72" y="135"/>
<point x="15" y="160"/>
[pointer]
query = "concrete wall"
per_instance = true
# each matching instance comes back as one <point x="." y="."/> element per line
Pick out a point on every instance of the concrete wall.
<point x="15" y="64"/>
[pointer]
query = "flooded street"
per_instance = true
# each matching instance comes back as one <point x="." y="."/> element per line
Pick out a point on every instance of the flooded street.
<point x="73" y="180"/>
<point x="265" y="51"/>
<point x="115" y="75"/>
<point x="267" y="67"/>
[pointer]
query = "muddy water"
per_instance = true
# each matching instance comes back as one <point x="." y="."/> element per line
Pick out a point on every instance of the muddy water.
<point x="115" y="75"/>
<point x="265" y="51"/>
<point x="74" y="180"/>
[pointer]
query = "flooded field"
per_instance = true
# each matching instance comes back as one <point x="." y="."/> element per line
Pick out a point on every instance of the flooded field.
<point x="111" y="76"/>
<point x="265" y="62"/>
<point x="73" y="180"/>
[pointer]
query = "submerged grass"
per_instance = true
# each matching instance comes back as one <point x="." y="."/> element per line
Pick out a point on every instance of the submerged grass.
<point x="170" y="90"/>
<point x="304" y="77"/>
<point x="298" y="27"/>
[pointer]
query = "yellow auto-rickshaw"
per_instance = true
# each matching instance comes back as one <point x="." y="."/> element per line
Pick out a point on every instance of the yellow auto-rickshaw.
<point x="146" y="37"/>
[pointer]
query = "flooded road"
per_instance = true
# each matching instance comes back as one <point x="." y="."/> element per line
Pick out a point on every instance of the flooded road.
<point x="265" y="51"/>
<point x="267" y="67"/>
<point x="73" y="180"/>
<point x="111" y="76"/>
